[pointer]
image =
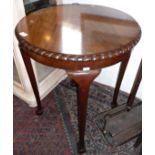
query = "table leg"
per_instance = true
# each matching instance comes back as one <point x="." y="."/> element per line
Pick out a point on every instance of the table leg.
<point x="73" y="83"/>
<point x="138" y="141"/>
<point x="135" y="87"/>
<point x="83" y="79"/>
<point x="33" y="82"/>
<point x="119" y="80"/>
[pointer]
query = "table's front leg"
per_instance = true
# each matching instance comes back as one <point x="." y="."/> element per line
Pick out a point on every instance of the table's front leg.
<point x="33" y="82"/>
<point x="83" y="79"/>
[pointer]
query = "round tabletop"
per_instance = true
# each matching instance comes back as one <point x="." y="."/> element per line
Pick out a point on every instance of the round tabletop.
<point x="78" y="33"/>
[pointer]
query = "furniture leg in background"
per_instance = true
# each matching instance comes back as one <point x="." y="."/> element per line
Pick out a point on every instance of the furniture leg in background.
<point x="123" y="123"/>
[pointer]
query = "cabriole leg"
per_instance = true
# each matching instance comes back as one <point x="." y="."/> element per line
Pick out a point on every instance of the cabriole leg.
<point x="83" y="80"/>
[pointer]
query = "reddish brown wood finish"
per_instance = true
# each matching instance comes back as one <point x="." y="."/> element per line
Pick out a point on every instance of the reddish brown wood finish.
<point x="101" y="33"/>
<point x="104" y="37"/>
<point x="135" y="87"/>
<point x="119" y="80"/>
<point x="84" y="80"/>
<point x="31" y="75"/>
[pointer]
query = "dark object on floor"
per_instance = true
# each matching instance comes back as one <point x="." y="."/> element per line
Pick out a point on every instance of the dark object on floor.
<point x="56" y="132"/>
<point x="119" y="126"/>
<point x="123" y="123"/>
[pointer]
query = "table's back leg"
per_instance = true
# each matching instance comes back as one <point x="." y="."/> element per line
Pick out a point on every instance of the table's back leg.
<point x="33" y="82"/>
<point x="84" y="80"/>
<point x="119" y="80"/>
<point x="138" y="141"/>
<point x="135" y="87"/>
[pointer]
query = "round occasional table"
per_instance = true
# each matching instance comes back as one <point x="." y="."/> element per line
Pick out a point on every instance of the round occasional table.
<point x="81" y="39"/>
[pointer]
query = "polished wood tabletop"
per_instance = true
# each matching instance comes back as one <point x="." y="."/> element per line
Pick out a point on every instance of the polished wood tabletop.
<point x="81" y="39"/>
<point x="78" y="32"/>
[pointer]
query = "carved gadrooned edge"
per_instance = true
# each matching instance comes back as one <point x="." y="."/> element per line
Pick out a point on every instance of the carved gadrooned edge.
<point x="77" y="58"/>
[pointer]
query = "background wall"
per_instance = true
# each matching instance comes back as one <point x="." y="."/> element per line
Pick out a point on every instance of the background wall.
<point x="109" y="75"/>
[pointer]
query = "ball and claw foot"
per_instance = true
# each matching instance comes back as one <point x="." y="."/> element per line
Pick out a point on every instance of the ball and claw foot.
<point x="39" y="111"/>
<point x="81" y="148"/>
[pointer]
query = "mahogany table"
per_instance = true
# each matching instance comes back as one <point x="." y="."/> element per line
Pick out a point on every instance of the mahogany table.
<point x="81" y="39"/>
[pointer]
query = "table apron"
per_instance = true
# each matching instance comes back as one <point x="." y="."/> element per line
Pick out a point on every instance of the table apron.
<point x="78" y="65"/>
